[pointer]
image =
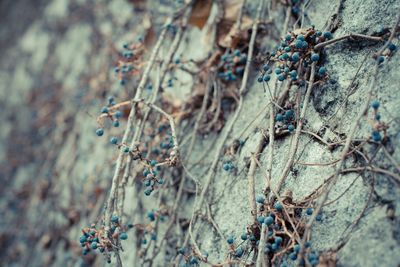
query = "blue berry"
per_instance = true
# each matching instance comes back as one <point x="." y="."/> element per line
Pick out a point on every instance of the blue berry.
<point x="118" y="114"/>
<point x="381" y="59"/>
<point x="281" y="77"/>
<point x="392" y="47"/>
<point x="265" y="67"/>
<point x="290" y="128"/>
<point x="296" y="248"/>
<point x="287" y="49"/>
<point x="260" y="79"/>
<point x="300" y="37"/>
<point x="261" y="219"/>
<point x="375" y="104"/>
<point x="110" y="100"/>
<point x="288" y="37"/>
<point x="116" y="123"/>
<point x="322" y="71"/>
<point x="114" y="219"/>
<point x="260" y="199"/>
<point x="239" y="252"/>
<point x="309" y="211"/>
<point x="278" y="71"/>
<point x="304" y="44"/>
<point x="318" y="218"/>
<point x="153" y="163"/>
<point x="193" y="260"/>
<point x="267" y="78"/>
<point x="293" y="73"/>
<point x="296" y="56"/>
<point x="376" y="136"/>
<point x="327" y="35"/>
<point x="278" y="240"/>
<point x="314" y="57"/>
<point x="104" y="110"/>
<point x="82" y="239"/>
<point x="93" y="245"/>
<point x="114" y="140"/>
<point x="122" y="82"/>
<point x="237" y="52"/>
<point x="269" y="220"/>
<point x="279" y="117"/>
<point x="377" y="117"/>
<point x="99" y="132"/>
<point x="123" y="236"/>
<point x="298" y="44"/>
<point x="230" y="240"/>
<point x="148" y="191"/>
<point x="274" y="247"/>
<point x="278" y="206"/>
<point x="151" y="216"/>
<point x="126" y="149"/>
<point x="293" y="256"/>
<point x="243" y="237"/>
<point x="289" y="114"/>
<point x="318" y="33"/>
<point x="227" y="166"/>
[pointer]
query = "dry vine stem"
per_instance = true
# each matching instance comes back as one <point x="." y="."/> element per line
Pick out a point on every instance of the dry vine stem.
<point x="220" y="145"/>
<point x="346" y="148"/>
<point x="119" y="164"/>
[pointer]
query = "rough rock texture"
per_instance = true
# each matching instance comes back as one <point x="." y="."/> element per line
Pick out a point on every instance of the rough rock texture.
<point x="56" y="71"/>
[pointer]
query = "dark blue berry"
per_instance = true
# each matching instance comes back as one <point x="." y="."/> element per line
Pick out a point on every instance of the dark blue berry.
<point x="104" y="110"/>
<point x="293" y="256"/>
<point x="279" y="117"/>
<point x="296" y="57"/>
<point x="114" y="219"/>
<point x="314" y="57"/>
<point x="239" y="252"/>
<point x="260" y="199"/>
<point x="99" y="132"/>
<point x="243" y="236"/>
<point x="82" y="239"/>
<point x="381" y="59"/>
<point x="278" y="206"/>
<point x="281" y="77"/>
<point x="153" y="163"/>
<point x="230" y="240"/>
<point x="116" y="123"/>
<point x="309" y="211"/>
<point x="114" y="140"/>
<point x="376" y="136"/>
<point x="375" y="104"/>
<point x="93" y="245"/>
<point x="123" y="236"/>
<point x="327" y="35"/>
<point x="260" y="79"/>
<point x="267" y="78"/>
<point x="261" y="219"/>
<point x="269" y="220"/>
<point x="392" y="47"/>
<point x="290" y="128"/>
<point x="322" y="71"/>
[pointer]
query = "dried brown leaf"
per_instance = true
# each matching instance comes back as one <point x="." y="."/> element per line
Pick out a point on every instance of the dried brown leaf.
<point x="200" y="13"/>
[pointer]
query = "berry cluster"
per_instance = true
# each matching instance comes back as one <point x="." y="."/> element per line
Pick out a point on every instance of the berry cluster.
<point x="377" y="125"/>
<point x="110" y="111"/>
<point x="93" y="239"/>
<point x="231" y="65"/>
<point x="189" y="257"/>
<point x="129" y="62"/>
<point x="294" y="55"/>
<point x="285" y="119"/>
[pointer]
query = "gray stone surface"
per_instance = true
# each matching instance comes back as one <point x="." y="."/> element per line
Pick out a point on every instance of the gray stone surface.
<point x="56" y="73"/>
